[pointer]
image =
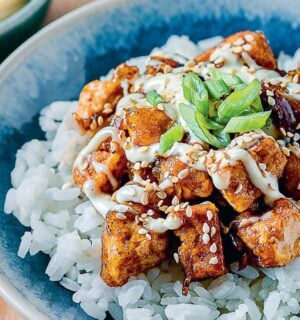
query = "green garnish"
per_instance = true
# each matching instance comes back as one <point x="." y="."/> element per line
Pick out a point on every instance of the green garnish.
<point x="216" y="88"/>
<point x="239" y="101"/>
<point x="167" y="140"/>
<point x="247" y="123"/>
<point x="229" y="79"/>
<point x="154" y="98"/>
<point x="195" y="92"/>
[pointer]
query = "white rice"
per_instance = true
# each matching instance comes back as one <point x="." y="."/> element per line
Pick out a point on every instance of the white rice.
<point x="65" y="225"/>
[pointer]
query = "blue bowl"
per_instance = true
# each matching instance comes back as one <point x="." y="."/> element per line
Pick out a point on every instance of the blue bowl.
<point x="60" y="59"/>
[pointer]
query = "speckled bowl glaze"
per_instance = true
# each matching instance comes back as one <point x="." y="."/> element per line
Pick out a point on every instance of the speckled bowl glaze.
<point x="21" y="25"/>
<point x="61" y="58"/>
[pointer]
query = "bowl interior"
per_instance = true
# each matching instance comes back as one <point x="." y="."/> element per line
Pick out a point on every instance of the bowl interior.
<point x="58" y="62"/>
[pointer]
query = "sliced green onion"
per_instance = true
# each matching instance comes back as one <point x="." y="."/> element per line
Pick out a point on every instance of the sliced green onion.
<point x="238" y="101"/>
<point x="209" y="137"/>
<point x="229" y="79"/>
<point x="247" y="123"/>
<point x="194" y="92"/>
<point x="211" y="124"/>
<point x="216" y="88"/>
<point x="223" y="136"/>
<point x="212" y="108"/>
<point x="257" y="105"/>
<point x="154" y="98"/>
<point x="167" y="140"/>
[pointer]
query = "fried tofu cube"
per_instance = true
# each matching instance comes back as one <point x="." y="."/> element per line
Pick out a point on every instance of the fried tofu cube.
<point x="291" y="176"/>
<point x="201" y="250"/>
<point x="126" y="251"/>
<point x="146" y="125"/>
<point x="274" y="237"/>
<point x="267" y="151"/>
<point x="238" y="190"/>
<point x="191" y="183"/>
<point x="253" y="43"/>
<point x="108" y="154"/>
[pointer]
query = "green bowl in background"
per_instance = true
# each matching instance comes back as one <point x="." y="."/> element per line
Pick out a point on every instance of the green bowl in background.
<point x="21" y="25"/>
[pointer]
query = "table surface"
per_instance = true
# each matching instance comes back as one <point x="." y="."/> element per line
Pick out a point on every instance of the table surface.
<point x="57" y="9"/>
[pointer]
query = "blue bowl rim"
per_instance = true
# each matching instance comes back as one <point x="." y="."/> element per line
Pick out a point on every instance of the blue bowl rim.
<point x="21" y="16"/>
<point x="7" y="290"/>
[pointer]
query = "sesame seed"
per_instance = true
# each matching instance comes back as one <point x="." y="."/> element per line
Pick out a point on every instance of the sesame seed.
<point x="144" y="199"/>
<point x="167" y="68"/>
<point x="144" y="164"/>
<point x="283" y="131"/>
<point x="93" y="125"/>
<point x="286" y="151"/>
<point x="298" y="187"/>
<point x="107" y="111"/>
<point x="174" y="179"/>
<point x="120" y="216"/>
<point x="298" y="126"/>
<point x="183" y="173"/>
<point x="177" y="208"/>
<point x="144" y="215"/>
<point x="161" y="194"/>
<point x="166" y="174"/>
<point x="270" y="93"/>
<point x="142" y="231"/>
<point x="176" y="257"/>
<point x="148" y="236"/>
<point x="272" y="186"/>
<point x="296" y="136"/>
<point x="205" y="238"/>
<point x="296" y="78"/>
<point x="84" y="165"/>
<point x="107" y="105"/>
<point x="247" y="47"/>
<point x="150" y="212"/>
<point x="290" y="134"/>
<point x="209" y="215"/>
<point x="213" y="231"/>
<point x="219" y="60"/>
<point x="262" y="166"/>
<point x="213" y="248"/>
<point x="160" y="203"/>
<point x="160" y="107"/>
<point x="238" y="49"/>
<point x="238" y="189"/>
<point x="170" y="209"/>
<point x="238" y="42"/>
<point x="144" y="149"/>
<point x="100" y="121"/>
<point x="249" y="37"/>
<point x="175" y="201"/>
<point x="184" y="205"/>
<point x="137" y="166"/>
<point x="163" y="208"/>
<point x="189" y="211"/>
<point x="127" y="145"/>
<point x="213" y="260"/>
<point x="205" y="228"/>
<point x="271" y="101"/>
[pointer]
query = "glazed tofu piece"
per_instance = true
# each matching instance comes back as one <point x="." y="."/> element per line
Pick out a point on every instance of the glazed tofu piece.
<point x="201" y="249"/>
<point x="254" y="43"/>
<point x="190" y="183"/>
<point x="110" y="158"/>
<point x="98" y="99"/>
<point x="145" y="125"/>
<point x="291" y="176"/>
<point x="126" y="249"/>
<point x="238" y="190"/>
<point x="273" y="237"/>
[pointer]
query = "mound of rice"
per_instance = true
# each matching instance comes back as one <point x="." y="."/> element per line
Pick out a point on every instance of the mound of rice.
<point x="66" y="226"/>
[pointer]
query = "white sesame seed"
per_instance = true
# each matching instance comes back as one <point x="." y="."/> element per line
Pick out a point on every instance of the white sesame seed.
<point x="174" y="179"/>
<point x="160" y="203"/>
<point x="289" y="134"/>
<point x="170" y="209"/>
<point x="238" y="49"/>
<point x="144" y="215"/>
<point x="160" y="107"/>
<point x="184" y="205"/>
<point x="205" y="228"/>
<point x="144" y="199"/>
<point x="144" y="149"/>
<point x="163" y="208"/>
<point x="247" y="47"/>
<point x="93" y="125"/>
<point x="283" y="131"/>
<point x="84" y="165"/>
<point x="272" y="186"/>
<point x="148" y="236"/>
<point x="189" y="211"/>
<point x="161" y="195"/>
<point x="249" y="37"/>
<point x="100" y="121"/>
<point x="298" y="126"/>
<point x="219" y="60"/>
<point x="176" y="257"/>
<point x="286" y="151"/>
<point x="271" y="101"/>
<point x="238" y="189"/>
<point x="213" y="260"/>
<point x="296" y="78"/>
<point x="144" y="164"/>
<point x="175" y="201"/>
<point x="142" y="231"/>
<point x="238" y="42"/>
<point x="296" y="136"/>
<point x="262" y="166"/>
<point x="213" y="248"/>
<point x="213" y="231"/>
<point x="120" y="216"/>
<point x="177" y="207"/>
<point x="183" y="173"/>
<point x="107" y="111"/>
<point x="150" y="212"/>
<point x="137" y="166"/>
<point x="298" y="187"/>
<point x="209" y="215"/>
<point x="166" y="174"/>
<point x="270" y="93"/>
<point x="205" y="238"/>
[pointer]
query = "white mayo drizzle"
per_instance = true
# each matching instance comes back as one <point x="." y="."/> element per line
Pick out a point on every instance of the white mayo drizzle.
<point x="127" y="101"/>
<point x="129" y="193"/>
<point x="103" y="168"/>
<point x="221" y="181"/>
<point x="161" y="225"/>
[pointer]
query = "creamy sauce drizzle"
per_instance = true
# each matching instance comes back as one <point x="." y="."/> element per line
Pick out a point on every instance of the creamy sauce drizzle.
<point x="129" y="193"/>
<point x="161" y="225"/>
